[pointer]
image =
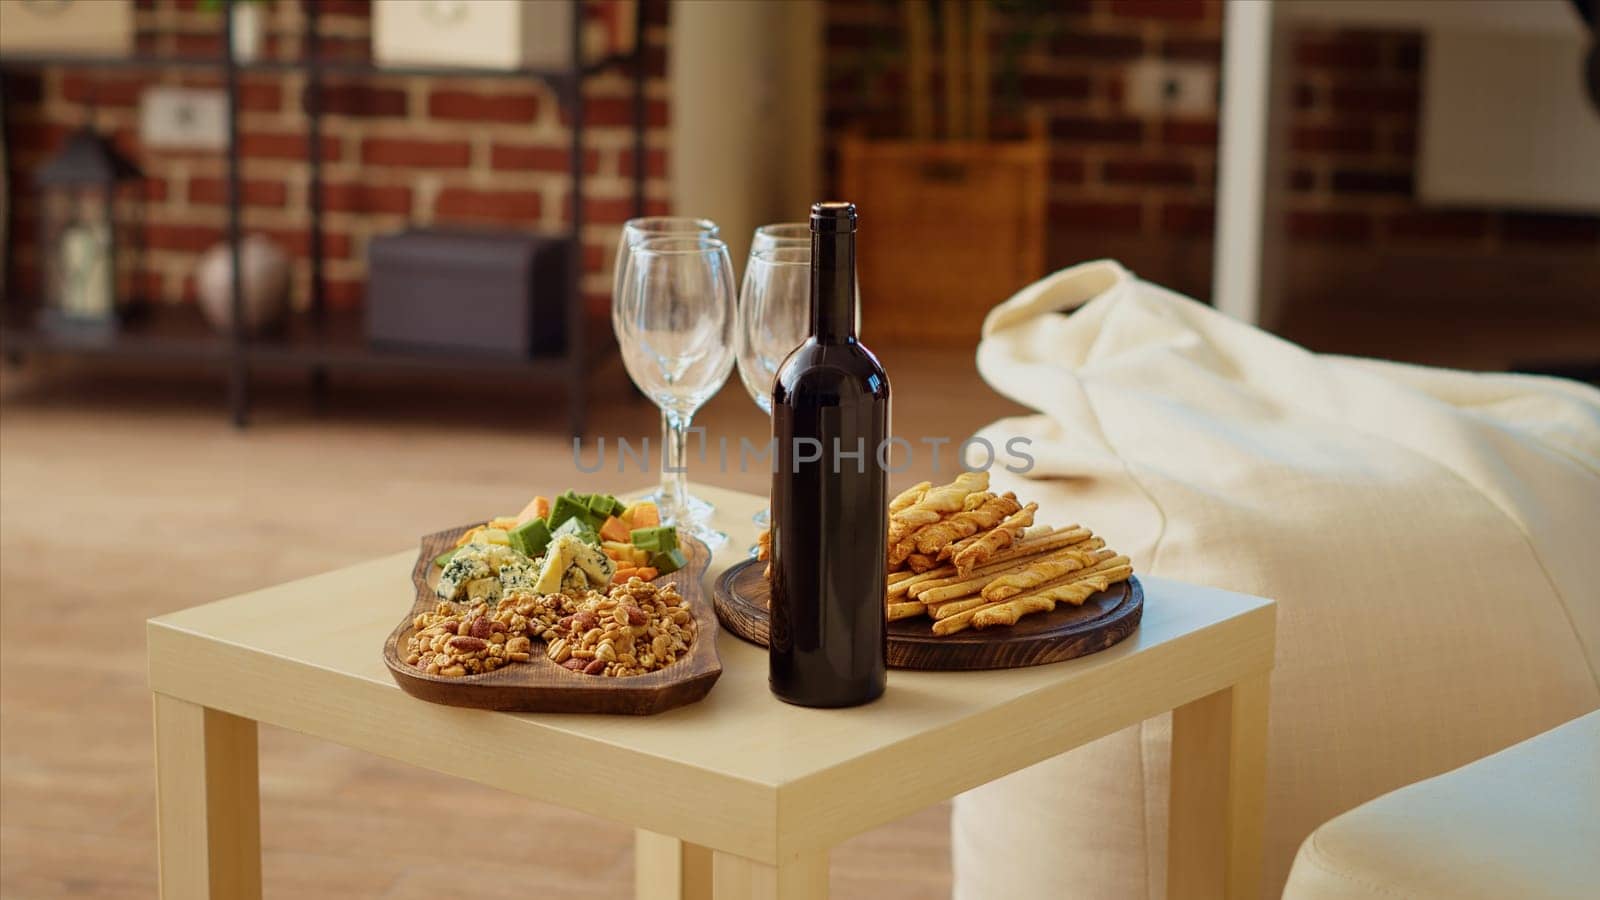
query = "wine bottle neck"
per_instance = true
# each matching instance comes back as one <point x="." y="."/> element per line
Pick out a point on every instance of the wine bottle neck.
<point x="833" y="287"/>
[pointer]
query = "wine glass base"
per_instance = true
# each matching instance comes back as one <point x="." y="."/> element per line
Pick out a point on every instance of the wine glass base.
<point x="698" y="510"/>
<point x="712" y="538"/>
<point x="694" y="520"/>
<point x="763" y="520"/>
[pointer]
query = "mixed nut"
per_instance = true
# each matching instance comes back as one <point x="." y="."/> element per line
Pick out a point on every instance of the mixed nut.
<point x="637" y="627"/>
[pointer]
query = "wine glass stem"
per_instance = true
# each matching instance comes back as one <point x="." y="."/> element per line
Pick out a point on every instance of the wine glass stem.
<point x="674" y="477"/>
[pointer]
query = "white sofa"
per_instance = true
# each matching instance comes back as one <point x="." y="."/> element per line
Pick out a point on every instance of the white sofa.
<point x="1522" y="823"/>
<point x="1432" y="538"/>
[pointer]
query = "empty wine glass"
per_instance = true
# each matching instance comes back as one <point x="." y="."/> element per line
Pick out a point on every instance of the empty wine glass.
<point x="635" y="231"/>
<point x="675" y="320"/>
<point x="774" y="317"/>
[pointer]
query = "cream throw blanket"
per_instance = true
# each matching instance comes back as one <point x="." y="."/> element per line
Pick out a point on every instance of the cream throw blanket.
<point x="1432" y="538"/>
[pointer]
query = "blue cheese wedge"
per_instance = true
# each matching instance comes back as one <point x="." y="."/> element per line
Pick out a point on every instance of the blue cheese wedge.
<point x="499" y="556"/>
<point x="596" y="566"/>
<point x="572" y="566"/>
<point x="574" y="583"/>
<point x="484" y="590"/>
<point x="517" y="578"/>
<point x="465" y="567"/>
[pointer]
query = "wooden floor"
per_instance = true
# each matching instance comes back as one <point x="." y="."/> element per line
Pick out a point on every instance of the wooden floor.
<point x="125" y="496"/>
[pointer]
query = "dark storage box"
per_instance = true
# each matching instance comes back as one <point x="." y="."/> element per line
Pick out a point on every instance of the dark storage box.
<point x="500" y="292"/>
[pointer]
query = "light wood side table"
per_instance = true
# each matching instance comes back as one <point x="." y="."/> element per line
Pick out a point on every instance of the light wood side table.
<point x="756" y="791"/>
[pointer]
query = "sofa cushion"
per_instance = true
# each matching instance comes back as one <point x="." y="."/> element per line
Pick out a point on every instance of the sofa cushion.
<point x="1523" y="823"/>
<point x="1429" y="537"/>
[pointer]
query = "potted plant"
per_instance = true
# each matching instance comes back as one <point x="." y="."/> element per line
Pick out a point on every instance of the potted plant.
<point x="962" y="212"/>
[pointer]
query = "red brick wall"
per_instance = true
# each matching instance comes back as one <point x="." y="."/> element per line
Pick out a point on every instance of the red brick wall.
<point x="1141" y="188"/>
<point x="395" y="150"/>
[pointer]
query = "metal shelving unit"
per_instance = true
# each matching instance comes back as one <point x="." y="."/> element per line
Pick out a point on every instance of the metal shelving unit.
<point x="320" y="341"/>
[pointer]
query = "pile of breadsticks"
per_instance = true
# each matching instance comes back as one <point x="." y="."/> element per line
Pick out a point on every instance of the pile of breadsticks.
<point x="970" y="558"/>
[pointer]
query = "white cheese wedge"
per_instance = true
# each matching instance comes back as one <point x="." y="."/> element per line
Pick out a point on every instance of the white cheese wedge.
<point x="557" y="559"/>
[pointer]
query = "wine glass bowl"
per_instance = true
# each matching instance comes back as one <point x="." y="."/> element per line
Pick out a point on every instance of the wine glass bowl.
<point x="780" y="234"/>
<point x="773" y="313"/>
<point x="673" y="326"/>
<point x="646" y="227"/>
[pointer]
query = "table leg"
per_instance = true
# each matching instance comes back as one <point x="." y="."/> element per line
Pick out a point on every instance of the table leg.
<point x="1219" y="755"/>
<point x="800" y="876"/>
<point x="665" y="868"/>
<point x="208" y="808"/>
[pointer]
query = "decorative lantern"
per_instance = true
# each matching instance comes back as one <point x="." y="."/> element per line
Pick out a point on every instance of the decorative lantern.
<point x="91" y="213"/>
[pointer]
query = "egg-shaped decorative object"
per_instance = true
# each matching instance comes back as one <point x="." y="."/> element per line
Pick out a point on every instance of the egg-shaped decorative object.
<point x="264" y="285"/>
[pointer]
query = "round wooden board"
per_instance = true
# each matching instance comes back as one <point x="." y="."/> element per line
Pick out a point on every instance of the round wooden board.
<point x="741" y="596"/>
<point x="540" y="685"/>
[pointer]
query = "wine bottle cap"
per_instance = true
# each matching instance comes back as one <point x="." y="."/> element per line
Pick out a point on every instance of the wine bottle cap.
<point x="833" y="216"/>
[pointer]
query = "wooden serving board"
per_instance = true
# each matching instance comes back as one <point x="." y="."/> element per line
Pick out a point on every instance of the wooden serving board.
<point x="742" y="596"/>
<point x="540" y="685"/>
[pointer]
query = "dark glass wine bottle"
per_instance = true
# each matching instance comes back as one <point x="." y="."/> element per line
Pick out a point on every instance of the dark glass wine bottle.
<point x="830" y="418"/>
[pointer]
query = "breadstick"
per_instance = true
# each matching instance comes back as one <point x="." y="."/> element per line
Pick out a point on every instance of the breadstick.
<point x="1009" y="612"/>
<point x="990" y="512"/>
<point x="1104" y="573"/>
<point x="921" y="563"/>
<point x="1045" y="569"/>
<point x="906" y="610"/>
<point x="1054" y="540"/>
<point x="1074" y="589"/>
<point x="901" y="502"/>
<point x="1028" y="535"/>
<point x="1046" y="539"/>
<point x="1001" y="561"/>
<point x="963" y="588"/>
<point x="975" y="580"/>
<point x="908" y="497"/>
<point x="997" y="539"/>
<point x="958" y="586"/>
<point x="897" y="577"/>
<point x="947" y="498"/>
<point x="930" y="539"/>
<point x="1077" y="591"/>
<point x="904" y="586"/>
<point x="959" y="621"/>
<point x="955" y="607"/>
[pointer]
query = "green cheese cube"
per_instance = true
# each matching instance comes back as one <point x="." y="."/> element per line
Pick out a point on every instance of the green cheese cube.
<point x="530" y="538"/>
<point x="600" y="506"/>
<point x="664" y="561"/>
<point x="656" y="537"/>
<point x="578" y="527"/>
<point x="566" y="507"/>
